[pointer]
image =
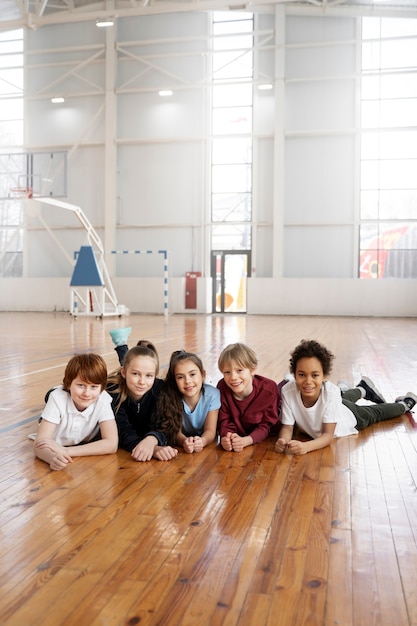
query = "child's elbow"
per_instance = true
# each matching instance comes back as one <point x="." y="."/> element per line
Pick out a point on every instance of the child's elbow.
<point x="110" y="445"/>
<point x="113" y="447"/>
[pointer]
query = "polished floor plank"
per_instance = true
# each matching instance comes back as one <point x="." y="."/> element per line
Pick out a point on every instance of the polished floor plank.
<point x="216" y="538"/>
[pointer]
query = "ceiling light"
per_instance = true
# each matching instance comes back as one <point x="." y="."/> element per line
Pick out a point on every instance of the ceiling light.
<point x="105" y="23"/>
<point x="58" y="100"/>
<point x="165" y="92"/>
<point x="265" y="86"/>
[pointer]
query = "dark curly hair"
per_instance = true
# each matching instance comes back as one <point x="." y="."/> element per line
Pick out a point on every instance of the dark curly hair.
<point x="309" y="348"/>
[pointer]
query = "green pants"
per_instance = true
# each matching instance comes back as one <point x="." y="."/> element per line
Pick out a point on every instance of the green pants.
<point x="372" y="413"/>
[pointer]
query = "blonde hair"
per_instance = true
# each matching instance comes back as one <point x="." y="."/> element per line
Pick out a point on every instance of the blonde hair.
<point x="240" y="353"/>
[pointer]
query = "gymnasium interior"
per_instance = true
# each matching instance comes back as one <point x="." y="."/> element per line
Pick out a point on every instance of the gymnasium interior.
<point x="208" y="172"/>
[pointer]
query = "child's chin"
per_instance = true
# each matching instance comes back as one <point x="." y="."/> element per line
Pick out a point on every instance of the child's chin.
<point x="83" y="406"/>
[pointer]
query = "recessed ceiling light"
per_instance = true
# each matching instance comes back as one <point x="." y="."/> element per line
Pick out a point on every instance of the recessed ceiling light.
<point x="58" y="100"/>
<point x="105" y="23"/>
<point x="165" y="92"/>
<point x="265" y="86"/>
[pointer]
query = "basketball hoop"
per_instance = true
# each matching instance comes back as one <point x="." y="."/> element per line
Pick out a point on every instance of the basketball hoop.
<point x="21" y="192"/>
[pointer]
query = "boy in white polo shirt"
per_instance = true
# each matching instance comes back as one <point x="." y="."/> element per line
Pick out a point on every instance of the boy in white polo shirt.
<point x="78" y="419"/>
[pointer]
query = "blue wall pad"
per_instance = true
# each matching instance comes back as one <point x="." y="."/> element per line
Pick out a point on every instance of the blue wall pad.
<point x="86" y="272"/>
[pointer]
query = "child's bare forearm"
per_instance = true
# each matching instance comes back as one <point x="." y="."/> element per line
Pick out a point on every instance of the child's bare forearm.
<point x="56" y="456"/>
<point x="321" y="442"/>
<point x="102" y="446"/>
<point x="44" y="453"/>
<point x="208" y="436"/>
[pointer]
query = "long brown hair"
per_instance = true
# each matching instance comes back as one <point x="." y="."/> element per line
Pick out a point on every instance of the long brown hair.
<point x="170" y="405"/>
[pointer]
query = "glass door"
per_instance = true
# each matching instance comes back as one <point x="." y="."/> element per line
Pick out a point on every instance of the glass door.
<point x="230" y="270"/>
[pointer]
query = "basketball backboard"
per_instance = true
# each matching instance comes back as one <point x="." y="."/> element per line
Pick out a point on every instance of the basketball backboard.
<point x="33" y="174"/>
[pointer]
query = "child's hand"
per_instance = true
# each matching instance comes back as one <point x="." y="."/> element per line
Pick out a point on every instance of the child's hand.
<point x="281" y="445"/>
<point x="188" y="445"/>
<point x="296" y="447"/>
<point x="144" y="450"/>
<point x="59" y="461"/>
<point x="233" y="442"/>
<point x="53" y="453"/>
<point x="193" y="444"/>
<point x="226" y="442"/>
<point x="165" y="453"/>
<point x="237" y="442"/>
<point x="198" y="444"/>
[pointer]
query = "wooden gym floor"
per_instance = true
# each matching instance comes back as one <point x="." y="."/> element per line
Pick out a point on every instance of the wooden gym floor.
<point x="249" y="539"/>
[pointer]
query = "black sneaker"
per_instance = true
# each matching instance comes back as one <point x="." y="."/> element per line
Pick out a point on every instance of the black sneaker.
<point x="409" y="400"/>
<point x="371" y="392"/>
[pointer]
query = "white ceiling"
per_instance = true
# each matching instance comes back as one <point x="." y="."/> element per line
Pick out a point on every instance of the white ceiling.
<point x="37" y="13"/>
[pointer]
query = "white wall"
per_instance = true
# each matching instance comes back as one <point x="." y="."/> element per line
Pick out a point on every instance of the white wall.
<point x="266" y="296"/>
<point x="327" y="296"/>
<point x="305" y="224"/>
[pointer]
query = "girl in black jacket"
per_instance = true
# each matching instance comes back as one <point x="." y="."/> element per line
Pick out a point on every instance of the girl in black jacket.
<point x="135" y="388"/>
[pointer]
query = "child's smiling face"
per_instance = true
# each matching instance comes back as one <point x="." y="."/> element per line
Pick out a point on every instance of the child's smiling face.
<point x="309" y="378"/>
<point x="140" y="376"/>
<point x="238" y="379"/>
<point x="189" y="380"/>
<point x="84" y="394"/>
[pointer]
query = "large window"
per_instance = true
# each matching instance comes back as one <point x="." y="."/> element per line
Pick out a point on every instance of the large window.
<point x="231" y="175"/>
<point x="11" y="140"/>
<point x="388" y="209"/>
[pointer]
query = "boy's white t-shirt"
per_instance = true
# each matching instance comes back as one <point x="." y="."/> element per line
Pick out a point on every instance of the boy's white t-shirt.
<point x="74" y="426"/>
<point x="327" y="410"/>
